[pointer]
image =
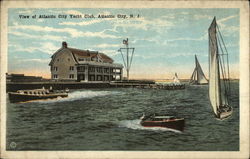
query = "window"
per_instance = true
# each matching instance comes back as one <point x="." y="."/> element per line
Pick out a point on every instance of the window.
<point x="81" y="68"/>
<point x="71" y="68"/>
<point x="55" y="68"/>
<point x="106" y="70"/>
<point x="55" y="76"/>
<point x="81" y="59"/>
<point x="68" y="59"/>
<point x="91" y="69"/>
<point x="57" y="59"/>
<point x="71" y="76"/>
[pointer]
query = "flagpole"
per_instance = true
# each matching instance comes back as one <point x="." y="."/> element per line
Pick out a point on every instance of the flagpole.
<point x="127" y="61"/>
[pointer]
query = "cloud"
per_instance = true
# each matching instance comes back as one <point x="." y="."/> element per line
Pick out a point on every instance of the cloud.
<point x="144" y="24"/>
<point x="109" y="52"/>
<point x="199" y="16"/>
<point x="203" y="37"/>
<point x="47" y="47"/>
<point x="35" y="60"/>
<point x="221" y="21"/>
<point x="43" y="37"/>
<point x="166" y="55"/>
<point x="107" y="45"/>
<point x="82" y="23"/>
<point x="74" y="33"/>
<point x="228" y="30"/>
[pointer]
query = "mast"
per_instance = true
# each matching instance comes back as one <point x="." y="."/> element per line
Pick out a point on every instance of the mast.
<point x="196" y="68"/>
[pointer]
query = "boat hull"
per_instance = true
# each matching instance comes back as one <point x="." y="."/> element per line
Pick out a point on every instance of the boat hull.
<point x="199" y="84"/>
<point x="177" y="124"/>
<point x="225" y="115"/>
<point x="17" y="98"/>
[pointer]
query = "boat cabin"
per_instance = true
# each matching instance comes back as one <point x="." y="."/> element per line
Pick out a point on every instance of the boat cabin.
<point x="34" y="92"/>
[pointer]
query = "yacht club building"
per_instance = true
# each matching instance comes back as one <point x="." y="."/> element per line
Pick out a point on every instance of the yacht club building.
<point x="83" y="65"/>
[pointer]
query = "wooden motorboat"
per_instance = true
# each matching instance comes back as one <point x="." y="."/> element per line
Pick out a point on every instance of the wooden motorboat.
<point x="35" y="94"/>
<point x="163" y="121"/>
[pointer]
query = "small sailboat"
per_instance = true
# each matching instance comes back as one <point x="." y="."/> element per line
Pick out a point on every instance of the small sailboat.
<point x="198" y="77"/>
<point x="219" y="84"/>
<point x="176" y="79"/>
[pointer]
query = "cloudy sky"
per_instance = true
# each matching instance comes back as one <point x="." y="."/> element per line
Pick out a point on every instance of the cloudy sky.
<point x="165" y="40"/>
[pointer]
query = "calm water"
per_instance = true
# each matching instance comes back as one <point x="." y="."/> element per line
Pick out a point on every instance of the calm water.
<point x="108" y="119"/>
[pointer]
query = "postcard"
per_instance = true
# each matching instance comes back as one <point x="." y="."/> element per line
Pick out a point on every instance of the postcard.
<point x="124" y="79"/>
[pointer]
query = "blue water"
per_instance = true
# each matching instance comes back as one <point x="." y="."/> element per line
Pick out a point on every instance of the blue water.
<point x="108" y="119"/>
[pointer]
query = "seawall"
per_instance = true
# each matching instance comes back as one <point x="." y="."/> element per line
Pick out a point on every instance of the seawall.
<point x="14" y="86"/>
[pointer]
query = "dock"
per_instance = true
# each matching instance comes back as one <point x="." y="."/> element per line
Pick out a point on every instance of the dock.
<point x="14" y="86"/>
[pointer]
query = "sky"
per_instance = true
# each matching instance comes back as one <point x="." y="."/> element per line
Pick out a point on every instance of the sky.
<point x="165" y="40"/>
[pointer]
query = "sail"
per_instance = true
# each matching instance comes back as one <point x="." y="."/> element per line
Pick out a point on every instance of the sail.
<point x="176" y="80"/>
<point x="198" y="77"/>
<point x="217" y="96"/>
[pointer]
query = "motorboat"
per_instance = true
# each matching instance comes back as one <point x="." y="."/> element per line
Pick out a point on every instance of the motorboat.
<point x="36" y="94"/>
<point x="163" y="121"/>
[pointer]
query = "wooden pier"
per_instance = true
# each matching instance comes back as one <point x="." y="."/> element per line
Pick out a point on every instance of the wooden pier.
<point x="149" y="86"/>
<point x="14" y="86"/>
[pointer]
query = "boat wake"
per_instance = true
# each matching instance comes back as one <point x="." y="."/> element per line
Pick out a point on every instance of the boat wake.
<point x="135" y="124"/>
<point x="72" y="96"/>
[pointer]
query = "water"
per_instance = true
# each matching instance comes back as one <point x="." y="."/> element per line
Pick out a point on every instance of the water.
<point x="108" y="119"/>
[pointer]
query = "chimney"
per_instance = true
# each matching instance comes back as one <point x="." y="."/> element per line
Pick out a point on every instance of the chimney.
<point x="64" y="44"/>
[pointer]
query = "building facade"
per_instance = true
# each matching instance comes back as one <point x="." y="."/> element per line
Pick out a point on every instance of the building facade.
<point x="83" y="65"/>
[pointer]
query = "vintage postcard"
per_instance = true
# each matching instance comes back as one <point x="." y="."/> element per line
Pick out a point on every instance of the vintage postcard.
<point x="124" y="79"/>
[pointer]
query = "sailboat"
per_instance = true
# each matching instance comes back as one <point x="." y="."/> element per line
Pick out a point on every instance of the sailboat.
<point x="198" y="77"/>
<point x="176" y="79"/>
<point x="219" y="84"/>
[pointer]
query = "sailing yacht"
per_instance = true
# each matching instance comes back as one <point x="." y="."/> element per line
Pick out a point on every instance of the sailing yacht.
<point x="198" y="77"/>
<point x="219" y="86"/>
<point x="176" y="79"/>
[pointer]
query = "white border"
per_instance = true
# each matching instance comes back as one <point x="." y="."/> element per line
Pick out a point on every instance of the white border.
<point x="244" y="78"/>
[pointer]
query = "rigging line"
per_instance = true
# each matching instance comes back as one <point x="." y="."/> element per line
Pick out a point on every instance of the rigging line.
<point x="123" y="58"/>
<point x="200" y="70"/>
<point x="227" y="60"/>
<point x="221" y="55"/>
<point x="222" y="39"/>
<point x="196" y="68"/>
<point x="131" y="58"/>
<point x="191" y="79"/>
<point x="226" y="74"/>
<point x="222" y="71"/>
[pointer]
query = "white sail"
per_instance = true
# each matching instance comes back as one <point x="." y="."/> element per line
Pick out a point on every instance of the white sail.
<point x="176" y="79"/>
<point x="198" y="77"/>
<point x="217" y="96"/>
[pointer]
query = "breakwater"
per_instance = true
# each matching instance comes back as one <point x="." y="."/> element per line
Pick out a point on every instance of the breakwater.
<point x="61" y="85"/>
<point x="14" y="86"/>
